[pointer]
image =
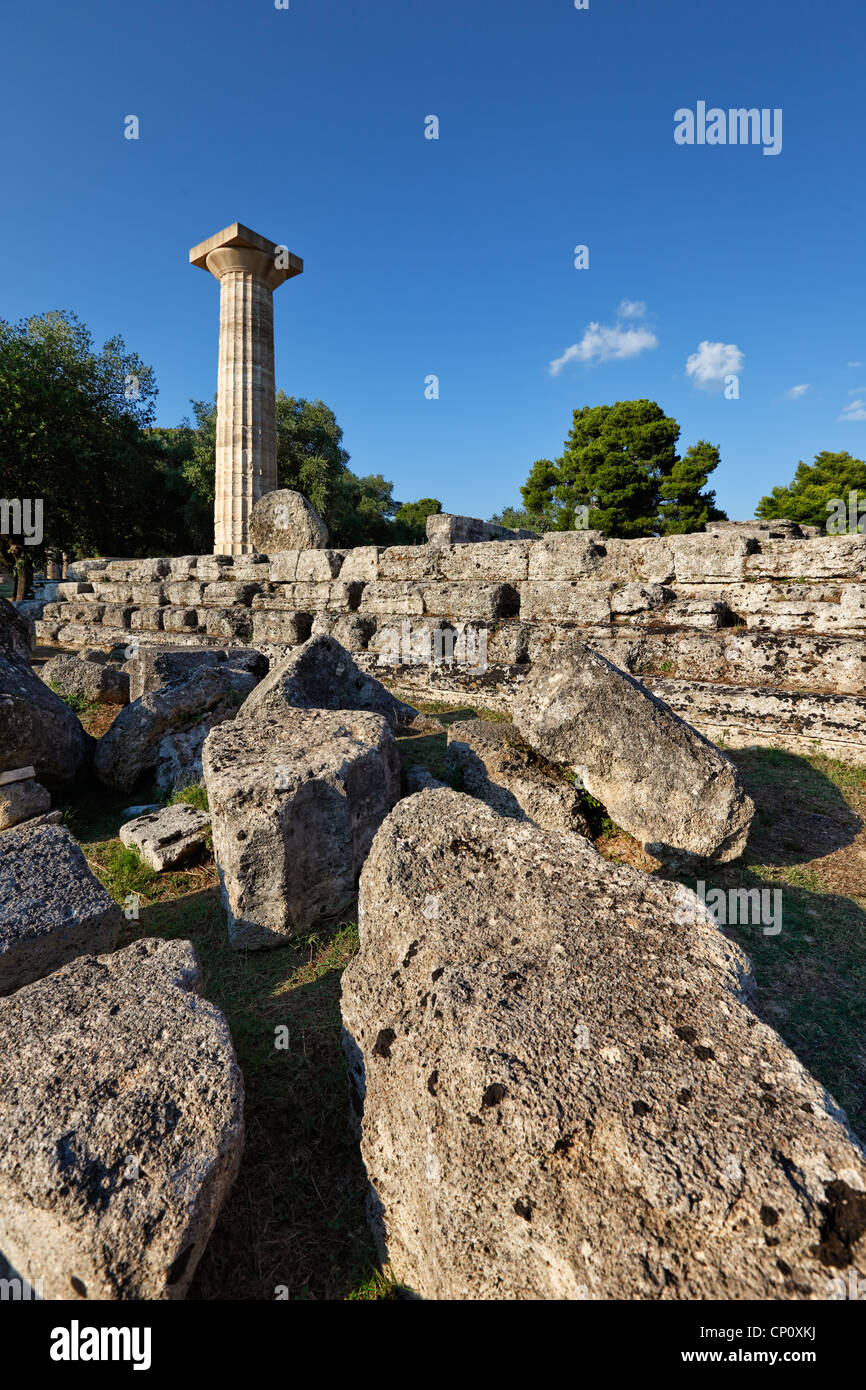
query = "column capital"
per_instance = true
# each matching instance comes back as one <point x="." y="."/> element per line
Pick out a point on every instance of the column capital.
<point x="238" y="248"/>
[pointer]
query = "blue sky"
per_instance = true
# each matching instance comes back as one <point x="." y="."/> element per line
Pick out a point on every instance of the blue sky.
<point x="455" y="257"/>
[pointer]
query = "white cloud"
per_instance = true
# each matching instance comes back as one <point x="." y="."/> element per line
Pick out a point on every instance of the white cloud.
<point x="855" y="411"/>
<point x="857" y="364"/>
<point x="712" y="362"/>
<point x="796" y="392"/>
<point x="603" y="343"/>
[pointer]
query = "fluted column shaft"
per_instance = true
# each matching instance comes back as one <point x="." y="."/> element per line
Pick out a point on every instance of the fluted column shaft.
<point x="246" y="445"/>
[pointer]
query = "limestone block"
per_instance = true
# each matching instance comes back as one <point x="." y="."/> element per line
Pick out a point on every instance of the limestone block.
<point x="283" y="567"/>
<point x="121" y="1106"/>
<point x="146" y="619"/>
<point x="569" y="599"/>
<point x="505" y="562"/>
<point x="72" y="589"/>
<point x="21" y="801"/>
<point x="222" y="594"/>
<point x="284" y="626"/>
<point x="296" y="798"/>
<point x="824" y="557"/>
<point x="52" y="908"/>
<point x="117" y="615"/>
<point x="362" y="564"/>
<point x="322" y="675"/>
<point x="388" y="596"/>
<point x="496" y="765"/>
<point x="181" y="620"/>
<point x="155" y="667"/>
<point x="658" y="778"/>
<point x="112" y="593"/>
<point x="185" y="593"/>
<point x="167" y="837"/>
<point x="214" y="569"/>
<point x="566" y="1093"/>
<point x="286" y="520"/>
<point x="228" y="623"/>
<point x="567" y="555"/>
<point x="352" y="630"/>
<point x="471" y="601"/>
<point x="410" y="562"/>
<point x="320" y="566"/>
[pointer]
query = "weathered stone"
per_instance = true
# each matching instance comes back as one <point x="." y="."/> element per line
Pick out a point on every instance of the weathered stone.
<point x="565" y="1092"/>
<point x="565" y="599"/>
<point x="178" y="715"/>
<point x="21" y="801"/>
<point x="52" y="908"/>
<point x="87" y="679"/>
<point x="505" y="562"/>
<point x="296" y="797"/>
<point x="121" y="1107"/>
<point x="362" y="564"/>
<point x="181" y="620"/>
<point x="167" y="837"/>
<point x="496" y="765"/>
<point x="289" y="628"/>
<point x="471" y="601"/>
<point x="36" y="728"/>
<point x="319" y="566"/>
<point x="223" y="593"/>
<point x="567" y="555"/>
<point x="402" y="562"/>
<point x="392" y="597"/>
<point x="228" y="623"/>
<point x="659" y="778"/>
<point x="322" y="675"/>
<point x="154" y="667"/>
<point x="445" y="529"/>
<point x="352" y="630"/>
<point x="146" y="619"/>
<point x="285" y="520"/>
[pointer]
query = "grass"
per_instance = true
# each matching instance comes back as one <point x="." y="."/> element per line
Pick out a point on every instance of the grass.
<point x="295" y="1225"/>
<point x="193" y="795"/>
<point x="79" y="704"/>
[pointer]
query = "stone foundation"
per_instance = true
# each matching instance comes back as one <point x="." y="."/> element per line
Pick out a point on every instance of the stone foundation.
<point x="754" y="637"/>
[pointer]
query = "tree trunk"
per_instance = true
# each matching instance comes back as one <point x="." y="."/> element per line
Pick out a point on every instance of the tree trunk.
<point x="23" y="580"/>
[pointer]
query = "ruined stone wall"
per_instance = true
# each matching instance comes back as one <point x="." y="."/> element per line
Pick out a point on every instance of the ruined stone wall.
<point x="753" y="638"/>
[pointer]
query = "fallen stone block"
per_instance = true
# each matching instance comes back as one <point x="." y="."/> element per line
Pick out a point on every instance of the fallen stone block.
<point x="121" y="1108"/>
<point x="564" y="1092"/>
<point x="659" y="778"/>
<point x="87" y="679"/>
<point x="322" y="675"/>
<point x="154" y="667"/>
<point x="52" y="908"/>
<point x="496" y="765"/>
<point x="36" y="728"/>
<point x="22" y="800"/>
<point x="296" y="797"/>
<point x="169" y="726"/>
<point x="285" y="520"/>
<point x="445" y="529"/>
<point x="167" y="837"/>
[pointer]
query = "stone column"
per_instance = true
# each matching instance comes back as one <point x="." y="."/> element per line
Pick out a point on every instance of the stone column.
<point x="249" y="269"/>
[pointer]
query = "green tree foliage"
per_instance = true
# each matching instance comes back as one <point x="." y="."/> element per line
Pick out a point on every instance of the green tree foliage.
<point x="73" y="433"/>
<point x="410" y="520"/>
<point x="686" y="505"/>
<point x="621" y="463"/>
<point x="829" y="479"/>
<point x="522" y="519"/>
